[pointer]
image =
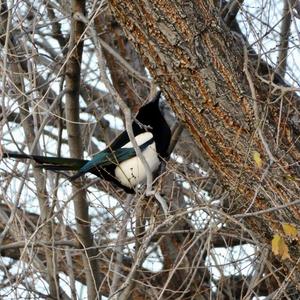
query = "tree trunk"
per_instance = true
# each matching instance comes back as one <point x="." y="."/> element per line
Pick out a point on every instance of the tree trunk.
<point x="242" y="121"/>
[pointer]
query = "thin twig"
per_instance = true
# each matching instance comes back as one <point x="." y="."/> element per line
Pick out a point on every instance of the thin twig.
<point x="268" y="210"/>
<point x="255" y="106"/>
<point x="125" y="109"/>
<point x="122" y="61"/>
<point x="176" y="132"/>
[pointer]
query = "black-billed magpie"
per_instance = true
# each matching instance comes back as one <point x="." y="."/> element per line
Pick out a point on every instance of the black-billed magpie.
<point x="118" y="163"/>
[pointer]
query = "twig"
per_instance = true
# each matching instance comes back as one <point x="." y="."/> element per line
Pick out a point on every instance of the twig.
<point x="51" y="244"/>
<point x="284" y="36"/>
<point x="255" y="107"/>
<point x="125" y="109"/>
<point x="122" y="60"/>
<point x="265" y="211"/>
<point x="117" y="262"/>
<point x="176" y="132"/>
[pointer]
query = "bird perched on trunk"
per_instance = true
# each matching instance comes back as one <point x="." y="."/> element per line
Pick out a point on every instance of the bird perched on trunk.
<point x="118" y="163"/>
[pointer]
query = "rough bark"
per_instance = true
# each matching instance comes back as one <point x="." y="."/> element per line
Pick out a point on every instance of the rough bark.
<point x="211" y="84"/>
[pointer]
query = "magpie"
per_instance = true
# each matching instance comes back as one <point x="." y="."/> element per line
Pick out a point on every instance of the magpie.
<point x="118" y="163"/>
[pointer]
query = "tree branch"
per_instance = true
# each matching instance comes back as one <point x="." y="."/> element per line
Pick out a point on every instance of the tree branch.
<point x="284" y="36"/>
<point x="73" y="67"/>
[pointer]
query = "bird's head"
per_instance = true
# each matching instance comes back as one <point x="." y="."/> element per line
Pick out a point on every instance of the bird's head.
<point x="149" y="113"/>
<point x="150" y="116"/>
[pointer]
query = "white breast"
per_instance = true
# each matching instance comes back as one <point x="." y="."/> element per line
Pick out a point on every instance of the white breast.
<point x="132" y="172"/>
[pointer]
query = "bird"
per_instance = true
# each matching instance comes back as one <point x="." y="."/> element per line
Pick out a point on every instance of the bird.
<point x="118" y="162"/>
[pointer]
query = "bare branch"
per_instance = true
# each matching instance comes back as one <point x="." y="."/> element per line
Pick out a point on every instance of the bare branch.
<point x="81" y="206"/>
<point x="284" y="36"/>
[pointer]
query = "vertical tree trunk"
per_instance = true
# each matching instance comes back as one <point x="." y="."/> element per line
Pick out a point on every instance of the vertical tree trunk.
<point x="81" y="206"/>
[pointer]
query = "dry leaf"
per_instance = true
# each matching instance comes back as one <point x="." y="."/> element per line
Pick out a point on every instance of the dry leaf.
<point x="276" y="244"/>
<point x="257" y="159"/>
<point x="290" y="230"/>
<point x="279" y="247"/>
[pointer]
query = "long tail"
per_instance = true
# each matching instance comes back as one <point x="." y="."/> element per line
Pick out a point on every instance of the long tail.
<point x="50" y="163"/>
